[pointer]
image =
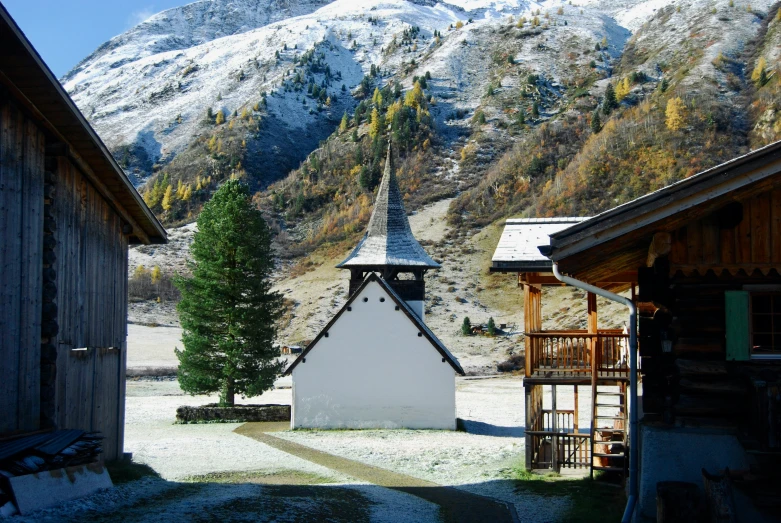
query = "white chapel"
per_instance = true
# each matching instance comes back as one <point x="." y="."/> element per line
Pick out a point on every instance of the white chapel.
<point x="376" y="364"/>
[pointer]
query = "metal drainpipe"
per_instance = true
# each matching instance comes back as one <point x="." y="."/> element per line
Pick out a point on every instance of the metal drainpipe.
<point x="632" y="500"/>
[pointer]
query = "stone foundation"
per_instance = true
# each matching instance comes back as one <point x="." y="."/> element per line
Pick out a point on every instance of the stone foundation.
<point x="237" y="413"/>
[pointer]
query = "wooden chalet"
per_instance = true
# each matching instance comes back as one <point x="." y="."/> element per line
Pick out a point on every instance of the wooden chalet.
<point x="707" y="254"/>
<point x="67" y="215"/>
<point x="554" y="359"/>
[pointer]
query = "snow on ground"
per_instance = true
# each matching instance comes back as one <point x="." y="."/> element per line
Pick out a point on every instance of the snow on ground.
<point x="477" y="460"/>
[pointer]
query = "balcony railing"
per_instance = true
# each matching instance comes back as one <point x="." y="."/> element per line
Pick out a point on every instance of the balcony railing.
<point x="577" y="353"/>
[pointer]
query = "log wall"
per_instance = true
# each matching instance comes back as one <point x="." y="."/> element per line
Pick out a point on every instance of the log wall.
<point x="692" y="383"/>
<point x="22" y="147"/>
<point x="63" y="283"/>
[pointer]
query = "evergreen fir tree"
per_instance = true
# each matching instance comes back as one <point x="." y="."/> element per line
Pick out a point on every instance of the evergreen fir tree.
<point x="535" y="110"/>
<point x="596" y="123"/>
<point x="610" y="102"/>
<point x="228" y="312"/>
<point x="466" y="327"/>
<point x="491" y="327"/>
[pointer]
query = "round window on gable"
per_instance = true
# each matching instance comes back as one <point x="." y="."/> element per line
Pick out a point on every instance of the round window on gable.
<point x="365" y="300"/>
<point x="382" y="300"/>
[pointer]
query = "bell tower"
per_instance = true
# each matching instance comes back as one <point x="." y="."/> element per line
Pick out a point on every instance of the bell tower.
<point x="389" y="249"/>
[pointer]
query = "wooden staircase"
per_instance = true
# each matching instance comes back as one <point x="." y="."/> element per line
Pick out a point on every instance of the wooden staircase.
<point x="609" y="426"/>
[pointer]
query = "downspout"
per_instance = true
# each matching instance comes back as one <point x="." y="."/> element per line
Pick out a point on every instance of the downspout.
<point x="633" y="450"/>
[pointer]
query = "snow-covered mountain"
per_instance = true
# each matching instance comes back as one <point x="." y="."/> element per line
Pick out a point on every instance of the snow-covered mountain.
<point x="147" y="90"/>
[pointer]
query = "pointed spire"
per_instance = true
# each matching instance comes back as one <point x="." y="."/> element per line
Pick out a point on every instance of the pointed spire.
<point x="389" y="239"/>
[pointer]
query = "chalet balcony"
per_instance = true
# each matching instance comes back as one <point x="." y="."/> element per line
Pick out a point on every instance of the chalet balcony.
<point x="577" y="355"/>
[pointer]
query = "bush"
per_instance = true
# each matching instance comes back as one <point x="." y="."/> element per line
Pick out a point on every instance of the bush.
<point x="150" y="284"/>
<point x="513" y="363"/>
<point x="466" y="326"/>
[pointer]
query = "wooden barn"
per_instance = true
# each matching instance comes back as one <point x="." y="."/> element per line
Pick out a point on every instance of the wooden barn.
<point x="706" y="255"/>
<point x="67" y="215"/>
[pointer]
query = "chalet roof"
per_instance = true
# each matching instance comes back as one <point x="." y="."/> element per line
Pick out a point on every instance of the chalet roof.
<point x="388" y="239"/>
<point x="618" y="239"/>
<point x="29" y="80"/>
<point x="403" y="307"/>
<point x="518" y="251"/>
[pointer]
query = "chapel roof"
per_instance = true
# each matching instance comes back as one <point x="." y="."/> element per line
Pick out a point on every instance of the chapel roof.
<point x="388" y="240"/>
<point x="447" y="356"/>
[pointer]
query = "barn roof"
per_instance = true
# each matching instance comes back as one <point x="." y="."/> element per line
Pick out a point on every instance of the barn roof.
<point x="518" y="251"/>
<point x="388" y="239"/>
<point x="29" y="80"/>
<point x="430" y="336"/>
<point x="618" y="239"/>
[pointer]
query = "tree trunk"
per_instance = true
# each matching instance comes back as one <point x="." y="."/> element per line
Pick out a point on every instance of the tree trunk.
<point x="228" y="393"/>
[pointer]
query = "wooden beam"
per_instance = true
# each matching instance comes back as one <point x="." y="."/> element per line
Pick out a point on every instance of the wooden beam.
<point x="661" y="244"/>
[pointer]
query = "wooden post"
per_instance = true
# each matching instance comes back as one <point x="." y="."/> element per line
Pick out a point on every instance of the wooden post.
<point x="575" y="418"/>
<point x="593" y="329"/>
<point x="532" y="319"/>
<point x="527" y="436"/>
<point x="554" y="460"/>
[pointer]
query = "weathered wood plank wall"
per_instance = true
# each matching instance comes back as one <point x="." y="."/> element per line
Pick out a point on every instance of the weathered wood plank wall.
<point x="714" y="243"/>
<point x="21" y="224"/>
<point x="92" y="298"/>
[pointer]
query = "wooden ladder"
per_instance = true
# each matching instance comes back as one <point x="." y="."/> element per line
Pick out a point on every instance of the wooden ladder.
<point x="609" y="424"/>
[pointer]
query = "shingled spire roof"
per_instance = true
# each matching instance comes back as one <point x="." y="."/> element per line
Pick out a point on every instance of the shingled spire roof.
<point x="388" y="239"/>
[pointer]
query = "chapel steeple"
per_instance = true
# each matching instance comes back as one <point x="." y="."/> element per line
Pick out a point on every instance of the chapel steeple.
<point x="389" y="248"/>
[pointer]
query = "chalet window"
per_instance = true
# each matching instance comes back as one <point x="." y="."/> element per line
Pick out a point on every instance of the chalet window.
<point x="766" y="324"/>
<point x="753" y="321"/>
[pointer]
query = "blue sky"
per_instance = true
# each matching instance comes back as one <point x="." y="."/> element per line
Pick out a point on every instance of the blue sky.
<point x="65" y="31"/>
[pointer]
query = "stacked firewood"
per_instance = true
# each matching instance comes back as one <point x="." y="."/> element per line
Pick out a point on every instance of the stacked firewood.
<point x="49" y="451"/>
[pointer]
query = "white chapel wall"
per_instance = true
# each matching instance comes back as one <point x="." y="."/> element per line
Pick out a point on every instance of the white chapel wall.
<point x="374" y="371"/>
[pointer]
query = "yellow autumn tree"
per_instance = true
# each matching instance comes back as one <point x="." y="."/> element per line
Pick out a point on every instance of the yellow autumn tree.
<point x="756" y="75"/>
<point x="220" y="118"/>
<point x="675" y="114"/>
<point x="375" y="127"/>
<point x="623" y="88"/>
<point x="414" y="96"/>
<point x="377" y="97"/>
<point x="156" y="274"/>
<point x="179" y="189"/>
<point x="168" y="198"/>
<point x="188" y="192"/>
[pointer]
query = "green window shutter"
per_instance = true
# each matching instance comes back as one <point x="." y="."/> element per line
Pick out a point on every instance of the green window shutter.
<point x="738" y="337"/>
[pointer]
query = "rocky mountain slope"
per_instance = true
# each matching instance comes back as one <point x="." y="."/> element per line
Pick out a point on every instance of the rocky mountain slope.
<point x="495" y="108"/>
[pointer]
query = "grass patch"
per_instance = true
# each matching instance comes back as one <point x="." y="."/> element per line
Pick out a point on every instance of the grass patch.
<point x="264" y="477"/>
<point x="125" y="471"/>
<point x="592" y="500"/>
<point x="298" y="504"/>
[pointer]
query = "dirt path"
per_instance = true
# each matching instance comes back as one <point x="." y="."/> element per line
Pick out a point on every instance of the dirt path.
<point x="457" y="505"/>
